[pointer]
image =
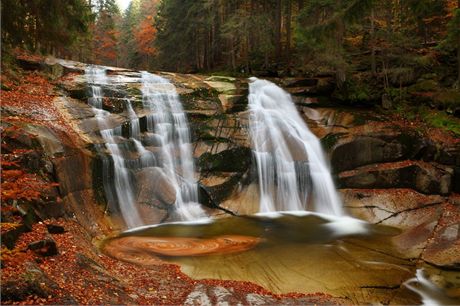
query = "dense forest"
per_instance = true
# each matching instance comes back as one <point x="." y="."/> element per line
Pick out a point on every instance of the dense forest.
<point x="373" y="49"/>
<point x="285" y="37"/>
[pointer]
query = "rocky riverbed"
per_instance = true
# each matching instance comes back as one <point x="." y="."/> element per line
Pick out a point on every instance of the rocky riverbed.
<point x="390" y="172"/>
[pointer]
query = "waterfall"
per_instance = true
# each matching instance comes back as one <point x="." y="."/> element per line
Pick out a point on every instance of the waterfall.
<point x="121" y="185"/>
<point x="291" y="167"/>
<point x="167" y="125"/>
<point x="168" y="122"/>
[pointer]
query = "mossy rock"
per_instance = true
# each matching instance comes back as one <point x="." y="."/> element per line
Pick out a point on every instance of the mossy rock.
<point x="356" y="91"/>
<point x="133" y="91"/>
<point x="330" y="140"/>
<point x="232" y="160"/>
<point x="54" y="71"/>
<point x="424" y="86"/>
<point x="220" y="78"/>
<point x="402" y="76"/>
<point x="447" y="99"/>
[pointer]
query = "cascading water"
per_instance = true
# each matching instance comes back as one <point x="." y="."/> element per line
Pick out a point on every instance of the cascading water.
<point x="121" y="190"/>
<point x="168" y="121"/>
<point x="292" y="170"/>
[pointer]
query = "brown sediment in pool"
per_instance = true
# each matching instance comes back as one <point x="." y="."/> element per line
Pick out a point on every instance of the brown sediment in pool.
<point x="144" y="250"/>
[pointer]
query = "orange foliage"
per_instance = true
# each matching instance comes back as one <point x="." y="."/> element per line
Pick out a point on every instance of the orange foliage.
<point x="145" y="36"/>
<point x="17" y="183"/>
<point x="106" y="46"/>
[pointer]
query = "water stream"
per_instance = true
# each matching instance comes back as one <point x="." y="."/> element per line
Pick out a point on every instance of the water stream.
<point x="291" y="165"/>
<point x="167" y="122"/>
<point x="120" y="190"/>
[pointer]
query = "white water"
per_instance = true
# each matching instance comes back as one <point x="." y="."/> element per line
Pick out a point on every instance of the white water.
<point x="292" y="170"/>
<point x="169" y="123"/>
<point x="121" y="179"/>
<point x="431" y="295"/>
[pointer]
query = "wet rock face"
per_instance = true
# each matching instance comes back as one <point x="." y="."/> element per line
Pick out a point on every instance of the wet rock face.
<point x="422" y="177"/>
<point x="364" y="151"/>
<point x="232" y="160"/>
<point x="154" y="187"/>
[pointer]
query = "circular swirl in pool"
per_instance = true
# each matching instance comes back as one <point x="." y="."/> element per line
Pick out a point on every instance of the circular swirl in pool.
<point x="140" y="249"/>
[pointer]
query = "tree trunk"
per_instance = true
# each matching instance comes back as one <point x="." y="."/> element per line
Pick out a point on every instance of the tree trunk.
<point x="458" y="50"/>
<point x="373" y="63"/>
<point x="340" y="32"/>
<point x="278" y="28"/>
<point x="301" y="4"/>
<point x="288" y="33"/>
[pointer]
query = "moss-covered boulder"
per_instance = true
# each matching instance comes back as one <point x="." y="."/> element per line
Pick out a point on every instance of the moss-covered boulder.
<point x="447" y="99"/>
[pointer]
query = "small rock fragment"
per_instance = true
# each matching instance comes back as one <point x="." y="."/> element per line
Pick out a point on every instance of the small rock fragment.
<point x="46" y="247"/>
<point x="55" y="229"/>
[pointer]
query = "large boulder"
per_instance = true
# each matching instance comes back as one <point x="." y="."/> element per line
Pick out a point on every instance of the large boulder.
<point x="363" y="151"/>
<point x="155" y="187"/>
<point x="420" y="176"/>
<point x="350" y="152"/>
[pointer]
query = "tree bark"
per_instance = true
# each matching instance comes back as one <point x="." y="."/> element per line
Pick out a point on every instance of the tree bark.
<point x="278" y="21"/>
<point x="458" y="50"/>
<point x="373" y="62"/>
<point x="288" y="33"/>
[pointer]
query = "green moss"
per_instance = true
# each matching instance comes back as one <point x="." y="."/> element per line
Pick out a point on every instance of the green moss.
<point x="447" y="99"/>
<point x="220" y="78"/>
<point x="331" y="140"/>
<point x="406" y="112"/>
<point x="444" y="121"/>
<point x="424" y="86"/>
<point x="402" y="75"/>
<point x="357" y="92"/>
<point x="133" y="91"/>
<point x="204" y="93"/>
<point x="424" y="61"/>
<point x="397" y="95"/>
<point x="433" y="118"/>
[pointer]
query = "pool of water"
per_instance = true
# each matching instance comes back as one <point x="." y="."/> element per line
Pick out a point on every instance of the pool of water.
<point x="283" y="252"/>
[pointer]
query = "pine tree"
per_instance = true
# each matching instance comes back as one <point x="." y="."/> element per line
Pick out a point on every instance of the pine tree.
<point x="47" y="26"/>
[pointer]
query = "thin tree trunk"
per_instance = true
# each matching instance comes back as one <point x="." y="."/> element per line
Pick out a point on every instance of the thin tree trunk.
<point x="288" y="33"/>
<point x="301" y="4"/>
<point x="278" y="28"/>
<point x="458" y="50"/>
<point x="373" y="62"/>
<point x="340" y="32"/>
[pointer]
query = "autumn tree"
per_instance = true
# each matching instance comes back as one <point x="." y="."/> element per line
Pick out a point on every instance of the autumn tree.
<point x="105" y="33"/>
